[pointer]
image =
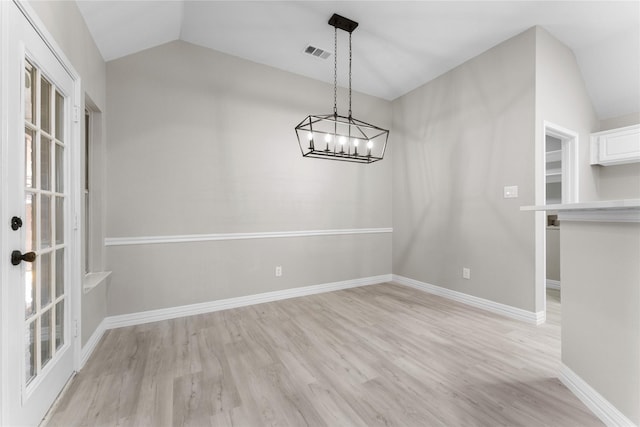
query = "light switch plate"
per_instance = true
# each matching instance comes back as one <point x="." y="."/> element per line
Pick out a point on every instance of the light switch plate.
<point x="511" y="192"/>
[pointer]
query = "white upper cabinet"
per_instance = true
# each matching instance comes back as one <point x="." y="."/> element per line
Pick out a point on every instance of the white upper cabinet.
<point x="616" y="146"/>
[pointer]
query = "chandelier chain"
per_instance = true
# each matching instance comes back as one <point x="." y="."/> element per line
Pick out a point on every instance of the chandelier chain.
<point x="335" y="71"/>
<point x="349" y="75"/>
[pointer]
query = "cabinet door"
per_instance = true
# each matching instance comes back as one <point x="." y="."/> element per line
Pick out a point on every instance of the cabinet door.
<point x="616" y="147"/>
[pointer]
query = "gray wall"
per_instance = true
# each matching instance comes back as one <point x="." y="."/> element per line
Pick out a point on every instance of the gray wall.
<point x="457" y="141"/>
<point x="202" y="142"/>
<point x="618" y="122"/>
<point x="65" y="23"/>
<point x="601" y="309"/>
<point x="553" y="253"/>
<point x="599" y="262"/>
<point x="620" y="181"/>
<point x="561" y="98"/>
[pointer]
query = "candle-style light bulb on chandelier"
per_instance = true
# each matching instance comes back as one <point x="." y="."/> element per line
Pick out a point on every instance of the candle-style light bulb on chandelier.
<point x="336" y="137"/>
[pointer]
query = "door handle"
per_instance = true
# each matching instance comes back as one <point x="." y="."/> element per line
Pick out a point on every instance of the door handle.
<point x="17" y="257"/>
<point x="16" y="223"/>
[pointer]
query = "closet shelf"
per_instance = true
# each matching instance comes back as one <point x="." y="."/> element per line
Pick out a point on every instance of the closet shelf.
<point x="554" y="156"/>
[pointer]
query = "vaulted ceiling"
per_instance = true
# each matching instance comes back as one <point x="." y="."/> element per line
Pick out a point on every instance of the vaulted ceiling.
<point x="397" y="47"/>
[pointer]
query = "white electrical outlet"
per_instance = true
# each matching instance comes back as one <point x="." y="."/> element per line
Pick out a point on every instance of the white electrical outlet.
<point x="466" y="273"/>
<point x="511" y="192"/>
<point x="278" y="270"/>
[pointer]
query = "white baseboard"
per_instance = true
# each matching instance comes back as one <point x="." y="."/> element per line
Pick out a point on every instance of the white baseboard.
<point x="492" y="306"/>
<point x="593" y="400"/>
<point x="553" y="284"/>
<point x="91" y="345"/>
<point x="211" y="306"/>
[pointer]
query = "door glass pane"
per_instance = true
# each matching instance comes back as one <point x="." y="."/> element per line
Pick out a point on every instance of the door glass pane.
<point x="59" y="220"/>
<point x="29" y="157"/>
<point x="45" y="279"/>
<point x="59" y="116"/>
<point x="59" y="324"/>
<point x="45" y="337"/>
<point x="59" y="272"/>
<point x="30" y="221"/>
<point x="30" y="352"/>
<point x="29" y="289"/>
<point x="29" y="93"/>
<point x="59" y="169"/>
<point x="46" y="124"/>
<point x="45" y="105"/>
<point x="45" y="164"/>
<point x="45" y="221"/>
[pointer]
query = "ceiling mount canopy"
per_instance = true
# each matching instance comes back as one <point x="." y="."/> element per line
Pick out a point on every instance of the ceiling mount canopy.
<point x="336" y="137"/>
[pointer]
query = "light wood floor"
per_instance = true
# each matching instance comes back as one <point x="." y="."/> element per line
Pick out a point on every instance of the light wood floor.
<point x="378" y="355"/>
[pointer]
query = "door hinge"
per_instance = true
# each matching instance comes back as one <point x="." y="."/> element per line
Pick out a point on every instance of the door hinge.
<point x="75" y="328"/>
<point x="76" y="114"/>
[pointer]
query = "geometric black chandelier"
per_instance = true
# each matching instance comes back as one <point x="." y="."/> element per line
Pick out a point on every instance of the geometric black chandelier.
<point x="336" y="137"/>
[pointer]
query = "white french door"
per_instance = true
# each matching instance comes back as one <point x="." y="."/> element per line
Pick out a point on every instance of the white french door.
<point x="38" y="240"/>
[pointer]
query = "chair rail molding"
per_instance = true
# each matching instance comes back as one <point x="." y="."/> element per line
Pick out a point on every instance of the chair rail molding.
<point x="150" y="240"/>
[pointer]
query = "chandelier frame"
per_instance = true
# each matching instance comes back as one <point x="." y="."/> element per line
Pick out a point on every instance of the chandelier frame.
<point x="341" y="135"/>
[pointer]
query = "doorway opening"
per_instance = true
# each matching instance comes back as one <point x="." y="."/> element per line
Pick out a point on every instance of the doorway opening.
<point x="557" y="184"/>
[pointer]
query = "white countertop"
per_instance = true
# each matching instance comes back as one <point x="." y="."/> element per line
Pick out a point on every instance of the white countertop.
<point x="632" y="204"/>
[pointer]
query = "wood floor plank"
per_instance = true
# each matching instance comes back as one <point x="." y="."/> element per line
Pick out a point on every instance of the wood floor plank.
<point x="382" y="355"/>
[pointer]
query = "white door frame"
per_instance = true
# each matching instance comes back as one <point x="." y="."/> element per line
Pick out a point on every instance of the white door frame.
<point x="4" y="211"/>
<point x="570" y="172"/>
<point x="75" y="277"/>
<point x="569" y="143"/>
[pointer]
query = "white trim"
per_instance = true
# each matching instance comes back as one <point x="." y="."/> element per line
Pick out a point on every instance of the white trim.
<point x="91" y="345"/>
<point x="56" y="403"/>
<point x="570" y="161"/>
<point x="35" y="398"/>
<point x="570" y="194"/>
<point x="149" y="240"/>
<point x="4" y="210"/>
<point x="139" y="318"/>
<point x="601" y="215"/>
<point x="47" y="38"/>
<point x="553" y="284"/>
<point x="74" y="165"/>
<point x="595" y="205"/>
<point x="593" y="400"/>
<point x="536" y="318"/>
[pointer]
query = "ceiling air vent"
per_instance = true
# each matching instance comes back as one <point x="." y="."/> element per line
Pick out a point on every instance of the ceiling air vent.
<point x="316" y="51"/>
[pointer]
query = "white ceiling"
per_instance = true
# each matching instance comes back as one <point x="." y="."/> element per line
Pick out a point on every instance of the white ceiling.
<point x="398" y="46"/>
